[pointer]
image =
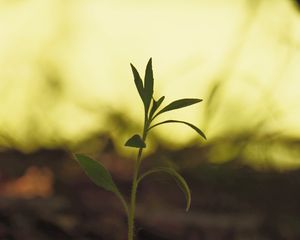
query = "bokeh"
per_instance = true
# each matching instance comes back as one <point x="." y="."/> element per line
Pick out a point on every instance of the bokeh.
<point x="66" y="86"/>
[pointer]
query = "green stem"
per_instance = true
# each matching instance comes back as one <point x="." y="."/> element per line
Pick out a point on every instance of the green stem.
<point x="137" y="164"/>
<point x="124" y="203"/>
<point x="133" y="197"/>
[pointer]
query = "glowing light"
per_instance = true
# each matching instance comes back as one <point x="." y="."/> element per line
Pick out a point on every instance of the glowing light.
<point x="79" y="52"/>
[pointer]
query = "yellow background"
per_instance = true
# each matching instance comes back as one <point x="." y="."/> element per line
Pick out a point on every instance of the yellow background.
<point x="64" y="65"/>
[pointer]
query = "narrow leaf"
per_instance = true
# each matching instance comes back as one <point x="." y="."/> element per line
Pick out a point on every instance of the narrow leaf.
<point x="179" y="179"/>
<point x="138" y="82"/>
<point x="156" y="105"/>
<point x="186" y="123"/>
<point x="148" y="81"/>
<point x="181" y="103"/>
<point x="135" y="141"/>
<point x="97" y="173"/>
<point x="159" y="102"/>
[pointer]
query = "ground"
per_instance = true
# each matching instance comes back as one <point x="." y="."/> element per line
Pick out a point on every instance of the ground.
<point x="229" y="201"/>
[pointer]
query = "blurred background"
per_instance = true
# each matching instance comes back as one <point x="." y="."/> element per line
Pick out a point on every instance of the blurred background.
<point x="66" y="86"/>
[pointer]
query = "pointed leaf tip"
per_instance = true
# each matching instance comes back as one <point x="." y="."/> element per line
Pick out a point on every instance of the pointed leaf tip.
<point x="181" y="103"/>
<point x="156" y="105"/>
<point x="135" y="141"/>
<point x="97" y="173"/>
<point x="138" y="82"/>
<point x="148" y="82"/>
<point x="183" y="122"/>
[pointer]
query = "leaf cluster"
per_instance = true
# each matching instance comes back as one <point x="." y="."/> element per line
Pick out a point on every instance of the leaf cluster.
<point x="152" y="109"/>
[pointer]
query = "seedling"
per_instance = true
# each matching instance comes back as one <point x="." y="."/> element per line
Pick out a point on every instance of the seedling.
<point x="101" y="177"/>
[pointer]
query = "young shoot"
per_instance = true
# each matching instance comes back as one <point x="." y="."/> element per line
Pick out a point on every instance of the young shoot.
<point x="152" y="110"/>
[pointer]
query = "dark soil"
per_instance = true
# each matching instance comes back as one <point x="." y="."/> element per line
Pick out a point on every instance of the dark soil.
<point x="229" y="202"/>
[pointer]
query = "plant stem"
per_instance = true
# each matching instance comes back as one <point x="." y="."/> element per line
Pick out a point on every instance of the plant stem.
<point x="137" y="164"/>
<point x="133" y="197"/>
<point x="123" y="201"/>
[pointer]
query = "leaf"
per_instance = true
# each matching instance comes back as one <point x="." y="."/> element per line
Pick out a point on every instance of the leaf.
<point x="148" y="81"/>
<point x="159" y="102"/>
<point x="97" y="173"/>
<point x="178" y="121"/>
<point x="179" y="179"/>
<point x="135" y="141"/>
<point x="156" y="105"/>
<point x="138" y="82"/>
<point x="181" y="103"/>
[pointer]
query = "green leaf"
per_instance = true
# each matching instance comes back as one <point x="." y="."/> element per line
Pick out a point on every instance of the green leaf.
<point x="138" y="82"/>
<point x="149" y="81"/>
<point x="181" y="103"/>
<point x="186" y="123"/>
<point x="97" y="173"/>
<point x="159" y="102"/>
<point x="135" y="141"/>
<point x="156" y="105"/>
<point x="179" y="179"/>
